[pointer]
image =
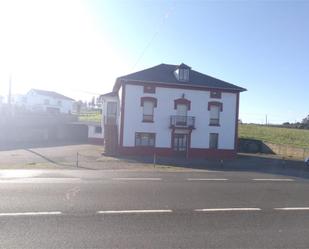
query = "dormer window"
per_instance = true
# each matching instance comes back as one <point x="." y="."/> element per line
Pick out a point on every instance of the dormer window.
<point x="182" y="73"/>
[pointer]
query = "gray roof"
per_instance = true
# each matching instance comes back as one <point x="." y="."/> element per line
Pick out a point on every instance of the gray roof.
<point x="164" y="73"/>
<point x="110" y="94"/>
<point x="51" y="94"/>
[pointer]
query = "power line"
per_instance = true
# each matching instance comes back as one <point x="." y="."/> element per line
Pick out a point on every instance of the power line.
<point x="167" y="14"/>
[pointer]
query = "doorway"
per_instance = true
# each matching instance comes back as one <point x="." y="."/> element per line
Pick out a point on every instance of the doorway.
<point x="180" y="143"/>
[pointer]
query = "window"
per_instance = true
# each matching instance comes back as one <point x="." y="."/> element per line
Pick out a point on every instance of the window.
<point x="145" y="139"/>
<point x="213" y="140"/>
<point x="181" y="118"/>
<point x="215" y="94"/>
<point x="214" y="109"/>
<point x="148" y="104"/>
<point x="98" y="129"/>
<point x="214" y="115"/>
<point x="183" y="74"/>
<point x="46" y="101"/>
<point x="149" y="89"/>
<point x="148" y="111"/>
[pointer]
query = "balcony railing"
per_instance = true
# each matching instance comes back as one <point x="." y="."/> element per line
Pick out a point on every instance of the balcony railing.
<point x="182" y="121"/>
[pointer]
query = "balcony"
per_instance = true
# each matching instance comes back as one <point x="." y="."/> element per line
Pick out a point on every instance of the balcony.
<point x="182" y="122"/>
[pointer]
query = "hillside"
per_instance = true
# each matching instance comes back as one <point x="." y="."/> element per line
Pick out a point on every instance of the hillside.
<point x="293" y="137"/>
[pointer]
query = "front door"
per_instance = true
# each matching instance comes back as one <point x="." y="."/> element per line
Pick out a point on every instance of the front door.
<point x="180" y="143"/>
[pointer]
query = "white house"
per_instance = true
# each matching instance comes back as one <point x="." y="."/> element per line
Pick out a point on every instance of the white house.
<point x="172" y="110"/>
<point x="95" y="131"/>
<point x="46" y="101"/>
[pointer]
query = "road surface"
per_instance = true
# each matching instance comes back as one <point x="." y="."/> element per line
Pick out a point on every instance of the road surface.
<point x="122" y="209"/>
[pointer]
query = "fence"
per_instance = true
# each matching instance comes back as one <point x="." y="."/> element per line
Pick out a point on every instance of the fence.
<point x="289" y="151"/>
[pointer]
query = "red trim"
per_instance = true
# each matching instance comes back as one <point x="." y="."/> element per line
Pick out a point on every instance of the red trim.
<point x="215" y="103"/>
<point x="236" y="123"/>
<point x="193" y="152"/>
<point x="179" y="86"/>
<point x="95" y="140"/>
<point x="141" y="151"/>
<point x="154" y="100"/>
<point x="122" y="113"/>
<point x="182" y="101"/>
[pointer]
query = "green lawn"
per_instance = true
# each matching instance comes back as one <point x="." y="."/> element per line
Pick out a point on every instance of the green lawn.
<point x="94" y="117"/>
<point x="293" y="137"/>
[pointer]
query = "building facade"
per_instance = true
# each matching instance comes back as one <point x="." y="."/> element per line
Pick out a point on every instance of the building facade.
<point x="45" y="101"/>
<point x="173" y="110"/>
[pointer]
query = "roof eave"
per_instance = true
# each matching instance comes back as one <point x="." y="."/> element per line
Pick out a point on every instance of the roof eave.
<point x="122" y="80"/>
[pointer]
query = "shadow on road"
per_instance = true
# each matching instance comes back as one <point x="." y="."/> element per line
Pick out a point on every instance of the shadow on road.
<point x="244" y="162"/>
<point x="54" y="162"/>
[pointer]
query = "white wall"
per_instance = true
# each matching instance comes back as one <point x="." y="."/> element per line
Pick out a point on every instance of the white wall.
<point x="165" y="108"/>
<point x="92" y="133"/>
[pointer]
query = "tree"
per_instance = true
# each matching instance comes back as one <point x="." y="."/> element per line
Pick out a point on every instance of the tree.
<point x="306" y="120"/>
<point x="93" y="102"/>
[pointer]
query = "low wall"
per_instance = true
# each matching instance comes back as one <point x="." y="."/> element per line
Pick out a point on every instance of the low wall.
<point x="16" y="136"/>
<point x="257" y="146"/>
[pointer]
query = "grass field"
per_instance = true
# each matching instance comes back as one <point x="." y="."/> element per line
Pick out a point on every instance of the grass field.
<point x="276" y="135"/>
<point x="94" y="117"/>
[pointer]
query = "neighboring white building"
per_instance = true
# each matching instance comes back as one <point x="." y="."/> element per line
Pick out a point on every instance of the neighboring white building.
<point x="45" y="101"/>
<point x="95" y="132"/>
<point x="173" y="110"/>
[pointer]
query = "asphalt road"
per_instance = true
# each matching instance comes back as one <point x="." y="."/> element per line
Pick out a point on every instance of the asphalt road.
<point x="109" y="209"/>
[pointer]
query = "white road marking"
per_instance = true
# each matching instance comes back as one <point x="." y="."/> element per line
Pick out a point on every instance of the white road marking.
<point x="41" y="180"/>
<point x="226" y="209"/>
<point x="31" y="213"/>
<point x="207" y="179"/>
<point x="135" y="211"/>
<point x="274" y="179"/>
<point x="137" y="179"/>
<point x="292" y="208"/>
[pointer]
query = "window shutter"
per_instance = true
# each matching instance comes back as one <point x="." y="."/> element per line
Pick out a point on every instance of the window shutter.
<point x="148" y="108"/>
<point x="214" y="112"/>
<point x="182" y="110"/>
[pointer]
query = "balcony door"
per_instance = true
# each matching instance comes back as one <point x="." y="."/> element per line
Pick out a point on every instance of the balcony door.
<point x="182" y="111"/>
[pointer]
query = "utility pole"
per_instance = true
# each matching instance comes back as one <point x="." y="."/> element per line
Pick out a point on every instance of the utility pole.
<point x="10" y="91"/>
<point x="266" y="122"/>
<point x="10" y="96"/>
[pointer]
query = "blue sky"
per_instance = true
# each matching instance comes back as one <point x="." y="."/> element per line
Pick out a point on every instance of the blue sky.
<point x="259" y="45"/>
